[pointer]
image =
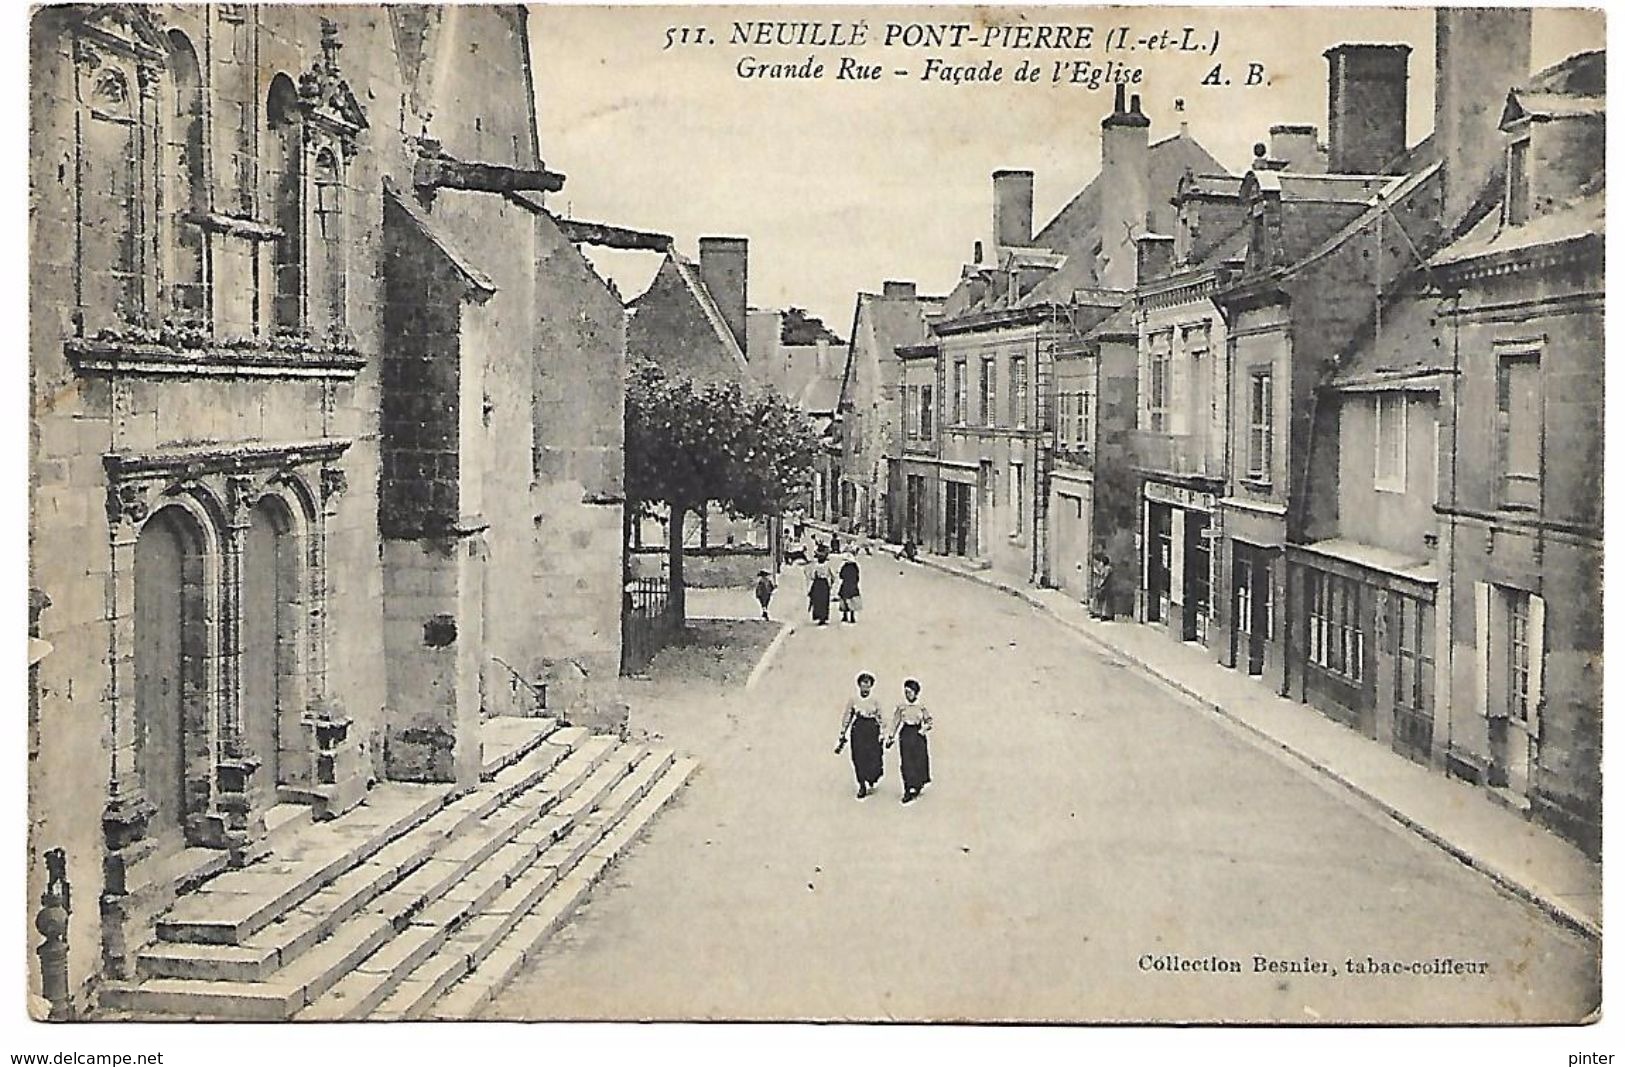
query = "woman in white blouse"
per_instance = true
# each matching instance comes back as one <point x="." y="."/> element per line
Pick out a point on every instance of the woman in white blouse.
<point x="910" y="723"/>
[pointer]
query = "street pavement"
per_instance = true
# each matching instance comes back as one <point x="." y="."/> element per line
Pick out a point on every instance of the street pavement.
<point x="1086" y="829"/>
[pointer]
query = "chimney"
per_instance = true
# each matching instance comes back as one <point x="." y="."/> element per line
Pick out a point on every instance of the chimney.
<point x="1365" y="106"/>
<point x="1481" y="54"/>
<point x="1012" y="208"/>
<point x="898" y="291"/>
<point x="1155" y="255"/>
<point x="1298" y="148"/>
<point x="723" y="263"/>
<point x="1125" y="175"/>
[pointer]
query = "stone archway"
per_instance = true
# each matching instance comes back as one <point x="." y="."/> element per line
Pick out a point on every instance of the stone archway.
<point x="171" y="669"/>
<point x="272" y="601"/>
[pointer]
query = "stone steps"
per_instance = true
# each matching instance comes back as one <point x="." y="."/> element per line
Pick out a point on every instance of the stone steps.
<point x="354" y="925"/>
<point x="395" y="881"/>
<point x="234" y="905"/>
<point x="549" y="902"/>
<point x="393" y="989"/>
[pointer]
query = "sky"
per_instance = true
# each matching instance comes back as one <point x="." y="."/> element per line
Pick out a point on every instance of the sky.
<point x="842" y="185"/>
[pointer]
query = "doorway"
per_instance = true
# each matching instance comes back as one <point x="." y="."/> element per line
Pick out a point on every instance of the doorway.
<point x="169" y="667"/>
<point x="958" y="518"/>
<point x="271" y="611"/>
<point x="1252" y="601"/>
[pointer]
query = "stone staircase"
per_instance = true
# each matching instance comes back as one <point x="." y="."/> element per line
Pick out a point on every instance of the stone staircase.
<point x="421" y="903"/>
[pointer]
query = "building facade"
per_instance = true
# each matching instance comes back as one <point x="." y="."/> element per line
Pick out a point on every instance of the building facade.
<point x="289" y="433"/>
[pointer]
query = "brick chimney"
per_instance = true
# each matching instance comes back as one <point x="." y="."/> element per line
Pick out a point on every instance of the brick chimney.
<point x="1012" y="208"/>
<point x="1125" y="175"/>
<point x="898" y="291"/>
<point x="1481" y="54"/>
<point x="1298" y="148"/>
<point x="1365" y="106"/>
<point x="723" y="269"/>
<point x="1155" y="255"/>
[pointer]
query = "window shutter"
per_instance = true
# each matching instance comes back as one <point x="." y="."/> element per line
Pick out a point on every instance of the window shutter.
<point x="1178" y="391"/>
<point x="1481" y="609"/>
<point x="1537" y="664"/>
<point x="1143" y="391"/>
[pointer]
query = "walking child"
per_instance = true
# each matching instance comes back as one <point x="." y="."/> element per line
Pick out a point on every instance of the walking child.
<point x="764" y="590"/>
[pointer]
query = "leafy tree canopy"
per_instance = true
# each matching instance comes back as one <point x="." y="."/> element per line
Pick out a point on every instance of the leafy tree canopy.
<point x="689" y="443"/>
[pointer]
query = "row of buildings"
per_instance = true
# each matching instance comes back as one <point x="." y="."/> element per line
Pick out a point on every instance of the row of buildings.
<point x="1336" y="418"/>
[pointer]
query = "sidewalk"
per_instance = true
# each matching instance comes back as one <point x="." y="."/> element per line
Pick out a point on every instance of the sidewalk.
<point x="1523" y="858"/>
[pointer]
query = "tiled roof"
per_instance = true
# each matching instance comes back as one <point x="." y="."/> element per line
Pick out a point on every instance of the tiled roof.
<point x="1582" y="218"/>
<point x="1399" y="347"/>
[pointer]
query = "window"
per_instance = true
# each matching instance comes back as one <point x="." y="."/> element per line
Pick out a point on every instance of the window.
<point x="184" y="152"/>
<point x="1156" y="401"/>
<point x="327" y="244"/>
<point x="1018" y="391"/>
<point x="1413" y="648"/>
<point x="1336" y="640"/>
<point x="1063" y="421"/>
<point x="959" y="393"/>
<point x="1260" y="425"/>
<point x="236" y="109"/>
<point x="1390" y="437"/>
<point x="286" y="180"/>
<point x="1018" y="499"/>
<point x="1518" y="658"/>
<point x="1518" y="429"/>
<point x="989" y="391"/>
<point x="111" y="190"/>
<point x="1084" y="414"/>
<point x="1517" y="208"/>
<point x="927" y="416"/>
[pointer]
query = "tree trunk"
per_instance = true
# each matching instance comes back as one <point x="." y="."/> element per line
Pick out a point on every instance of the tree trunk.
<point x="674" y="567"/>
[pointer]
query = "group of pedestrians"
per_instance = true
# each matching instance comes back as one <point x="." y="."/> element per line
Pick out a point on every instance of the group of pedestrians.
<point x="861" y="728"/>
<point x="822" y="581"/>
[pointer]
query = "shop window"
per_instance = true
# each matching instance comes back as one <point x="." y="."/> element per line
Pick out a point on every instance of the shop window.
<point x="1335" y="635"/>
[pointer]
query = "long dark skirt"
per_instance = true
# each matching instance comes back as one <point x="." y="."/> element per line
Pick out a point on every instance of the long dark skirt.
<point x="818" y="599"/>
<point x="867" y="758"/>
<point x="916" y="757"/>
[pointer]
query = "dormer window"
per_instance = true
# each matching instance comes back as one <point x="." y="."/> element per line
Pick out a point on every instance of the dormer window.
<point x="1517" y="205"/>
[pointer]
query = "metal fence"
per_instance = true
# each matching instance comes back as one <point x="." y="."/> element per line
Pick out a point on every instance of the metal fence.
<point x="645" y="623"/>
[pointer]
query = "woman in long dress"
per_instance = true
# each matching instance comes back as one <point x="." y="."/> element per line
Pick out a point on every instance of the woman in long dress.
<point x="910" y="723"/>
<point x="818" y="583"/>
<point x="861" y="727"/>
<point x="849" y="590"/>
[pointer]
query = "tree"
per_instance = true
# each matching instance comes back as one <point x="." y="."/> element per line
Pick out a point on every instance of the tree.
<point x="692" y="444"/>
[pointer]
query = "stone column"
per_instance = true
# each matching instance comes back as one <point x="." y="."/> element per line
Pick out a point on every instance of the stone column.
<point x="131" y="895"/>
<point x="339" y="778"/>
<point x="234" y="824"/>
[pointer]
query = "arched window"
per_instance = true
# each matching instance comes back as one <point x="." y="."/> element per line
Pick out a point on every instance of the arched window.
<point x="185" y="194"/>
<point x="327" y="240"/>
<point x="285" y="171"/>
<point x="110" y="179"/>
